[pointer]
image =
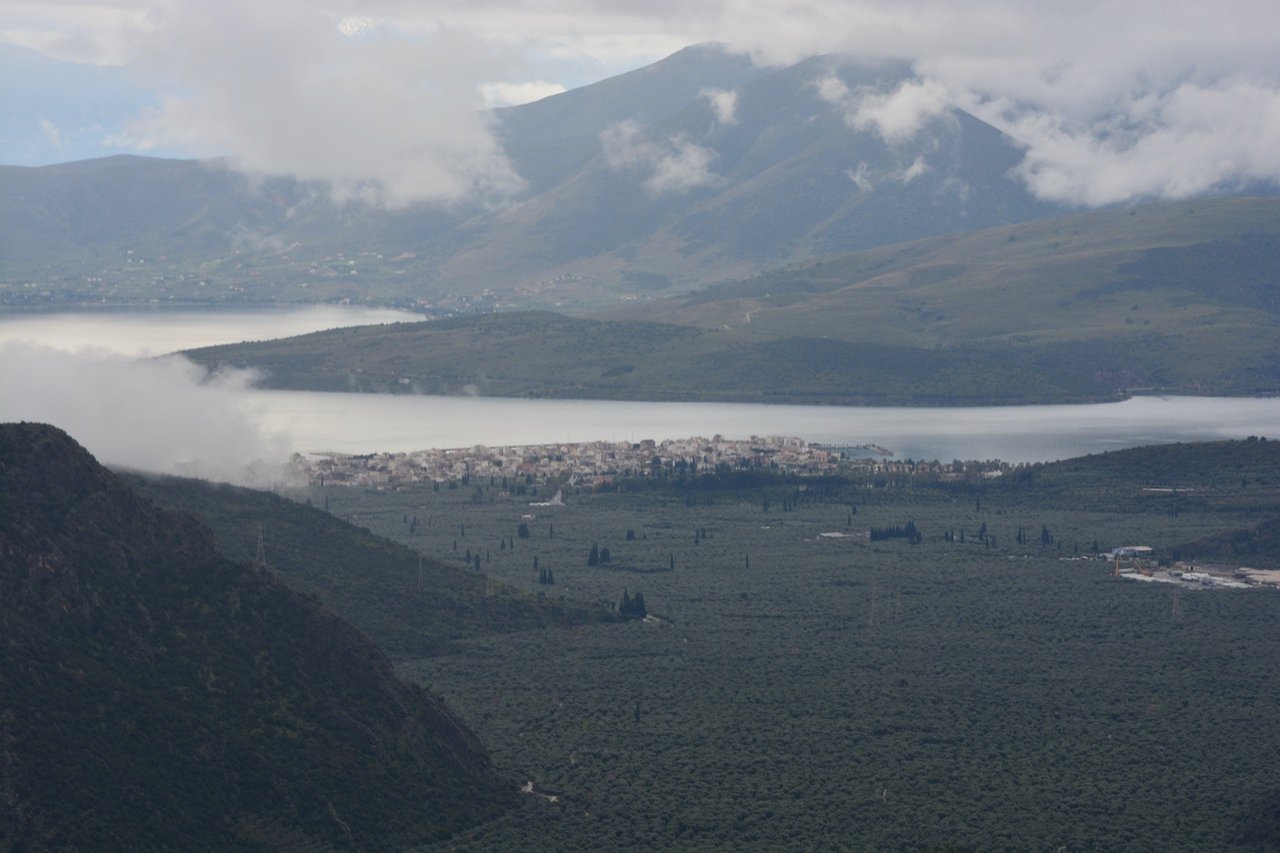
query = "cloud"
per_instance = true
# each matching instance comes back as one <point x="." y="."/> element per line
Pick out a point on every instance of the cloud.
<point x="165" y="415"/>
<point x="861" y="177"/>
<point x="896" y="116"/>
<point x="684" y="167"/>
<point x="915" y="170"/>
<point x="51" y="133"/>
<point x="353" y="26"/>
<point x="90" y="32"/>
<point x="899" y="115"/>
<point x="832" y="90"/>
<point x="384" y="117"/>
<point x="724" y="104"/>
<point x="512" y="94"/>
<point x="673" y="165"/>
<point x="1187" y="142"/>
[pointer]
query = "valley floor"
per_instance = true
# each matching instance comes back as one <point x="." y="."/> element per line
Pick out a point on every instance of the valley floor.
<point x="810" y="691"/>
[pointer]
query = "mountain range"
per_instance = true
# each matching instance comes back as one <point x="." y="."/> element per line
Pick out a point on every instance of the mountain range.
<point x="698" y="169"/>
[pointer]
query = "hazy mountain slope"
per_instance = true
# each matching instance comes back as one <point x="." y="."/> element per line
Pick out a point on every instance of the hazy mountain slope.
<point x="694" y="198"/>
<point x="174" y="223"/>
<point x="367" y="580"/>
<point x="156" y="695"/>
<point x="114" y="204"/>
<point x="697" y="170"/>
<point x="638" y="182"/>
<point x="1174" y="298"/>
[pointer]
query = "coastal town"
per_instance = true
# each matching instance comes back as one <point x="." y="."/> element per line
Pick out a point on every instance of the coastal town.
<point x="589" y="463"/>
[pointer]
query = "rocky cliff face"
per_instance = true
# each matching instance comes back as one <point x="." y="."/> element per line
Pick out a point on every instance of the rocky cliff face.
<point x="153" y="693"/>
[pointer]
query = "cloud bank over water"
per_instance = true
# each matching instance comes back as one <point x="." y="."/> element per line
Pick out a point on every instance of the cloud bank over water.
<point x="164" y="415"/>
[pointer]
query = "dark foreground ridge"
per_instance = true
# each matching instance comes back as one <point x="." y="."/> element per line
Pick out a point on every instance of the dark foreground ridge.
<point x="155" y="694"/>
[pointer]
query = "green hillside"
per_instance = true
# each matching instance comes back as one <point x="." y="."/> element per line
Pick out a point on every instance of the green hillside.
<point x="409" y="605"/>
<point x="156" y="695"/>
<point x="1132" y="273"/>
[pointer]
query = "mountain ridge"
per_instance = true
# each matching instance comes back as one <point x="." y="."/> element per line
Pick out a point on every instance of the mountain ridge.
<point x="156" y="692"/>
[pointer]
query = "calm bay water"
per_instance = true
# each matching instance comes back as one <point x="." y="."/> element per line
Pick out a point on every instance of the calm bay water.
<point x="362" y="423"/>
<point x="83" y="373"/>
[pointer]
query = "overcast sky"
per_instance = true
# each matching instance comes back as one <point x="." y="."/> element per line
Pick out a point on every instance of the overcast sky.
<point x="1114" y="101"/>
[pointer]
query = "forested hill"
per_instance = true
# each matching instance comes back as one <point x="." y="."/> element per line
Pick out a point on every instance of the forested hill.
<point x="540" y="354"/>
<point x="156" y="695"/>
<point x="1178" y="479"/>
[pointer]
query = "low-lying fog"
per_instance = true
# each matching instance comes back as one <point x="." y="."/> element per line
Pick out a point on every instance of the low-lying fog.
<point x="94" y="374"/>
